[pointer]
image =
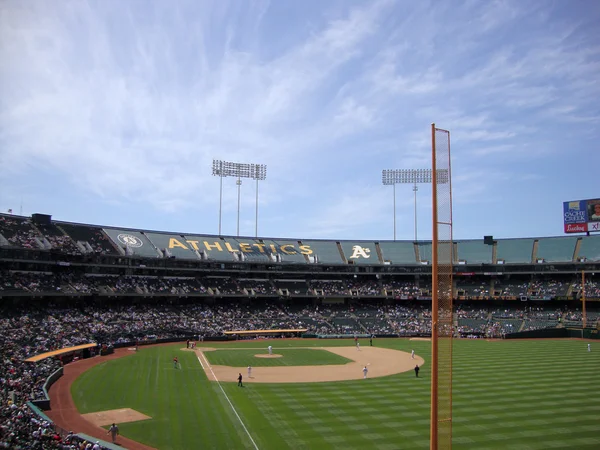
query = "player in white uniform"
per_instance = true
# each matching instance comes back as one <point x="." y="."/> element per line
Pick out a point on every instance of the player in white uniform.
<point x="412" y="354"/>
<point x="589" y="347"/>
<point x="270" y="350"/>
<point x="358" y="346"/>
<point x="365" y="371"/>
<point x="249" y="371"/>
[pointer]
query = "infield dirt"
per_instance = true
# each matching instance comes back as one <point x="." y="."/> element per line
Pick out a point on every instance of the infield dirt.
<point x="121" y="415"/>
<point x="380" y="362"/>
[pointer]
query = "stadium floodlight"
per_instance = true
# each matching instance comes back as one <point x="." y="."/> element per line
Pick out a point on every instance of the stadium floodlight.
<point x="410" y="176"/>
<point x="223" y="169"/>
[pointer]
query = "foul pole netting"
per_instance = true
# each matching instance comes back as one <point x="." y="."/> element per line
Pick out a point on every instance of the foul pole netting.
<point x="441" y="309"/>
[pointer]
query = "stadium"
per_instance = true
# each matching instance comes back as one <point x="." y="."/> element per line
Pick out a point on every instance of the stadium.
<point x="93" y="317"/>
<point x="379" y="289"/>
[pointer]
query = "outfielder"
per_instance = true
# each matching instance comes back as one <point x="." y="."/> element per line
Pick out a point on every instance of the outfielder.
<point x="365" y="371"/>
<point x="270" y="350"/>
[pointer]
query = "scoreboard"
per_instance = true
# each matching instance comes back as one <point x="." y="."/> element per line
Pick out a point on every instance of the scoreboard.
<point x="582" y="216"/>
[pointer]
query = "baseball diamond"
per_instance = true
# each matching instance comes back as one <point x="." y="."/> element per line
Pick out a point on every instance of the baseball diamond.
<point x="496" y="406"/>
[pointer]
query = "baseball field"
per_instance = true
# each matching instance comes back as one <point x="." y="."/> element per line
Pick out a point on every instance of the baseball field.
<point x="310" y="394"/>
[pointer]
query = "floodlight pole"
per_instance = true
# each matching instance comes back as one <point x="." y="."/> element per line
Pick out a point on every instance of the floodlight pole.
<point x="405" y="176"/>
<point x="220" y="201"/>
<point x="230" y="169"/>
<point x="415" y="189"/>
<point x="256" y="221"/>
<point x="239" y="185"/>
<point x="394" y="211"/>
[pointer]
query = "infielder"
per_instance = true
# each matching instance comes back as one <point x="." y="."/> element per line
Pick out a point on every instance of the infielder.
<point x="412" y="354"/>
<point x="270" y="350"/>
<point x="249" y="371"/>
<point x="365" y="371"/>
<point x="358" y="346"/>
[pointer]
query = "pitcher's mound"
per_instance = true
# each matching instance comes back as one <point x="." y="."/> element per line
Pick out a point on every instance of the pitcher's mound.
<point x="117" y="416"/>
<point x="264" y="355"/>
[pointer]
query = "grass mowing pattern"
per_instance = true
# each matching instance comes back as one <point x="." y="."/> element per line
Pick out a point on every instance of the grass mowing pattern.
<point x="507" y="395"/>
<point x="187" y="410"/>
<point x="290" y="357"/>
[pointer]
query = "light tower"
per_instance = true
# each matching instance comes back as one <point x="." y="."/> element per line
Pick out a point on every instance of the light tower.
<point x="256" y="172"/>
<point x="408" y="176"/>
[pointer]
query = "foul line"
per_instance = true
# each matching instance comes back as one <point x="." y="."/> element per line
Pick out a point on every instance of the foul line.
<point x="227" y="398"/>
<point x="200" y="361"/>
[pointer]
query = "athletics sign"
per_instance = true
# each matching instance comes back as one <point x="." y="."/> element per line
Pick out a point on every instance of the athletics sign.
<point x="582" y="216"/>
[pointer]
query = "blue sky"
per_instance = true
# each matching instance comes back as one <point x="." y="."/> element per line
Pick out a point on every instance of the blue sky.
<point x="111" y="112"/>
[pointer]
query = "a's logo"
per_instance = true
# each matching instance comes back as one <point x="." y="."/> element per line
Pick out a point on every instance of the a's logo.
<point x="574" y="206"/>
<point x="360" y="252"/>
<point x="130" y="241"/>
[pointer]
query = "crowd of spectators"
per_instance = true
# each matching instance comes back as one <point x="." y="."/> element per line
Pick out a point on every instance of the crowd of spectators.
<point x="49" y="325"/>
<point x="24" y="333"/>
<point x="19" y="233"/>
<point x="72" y="282"/>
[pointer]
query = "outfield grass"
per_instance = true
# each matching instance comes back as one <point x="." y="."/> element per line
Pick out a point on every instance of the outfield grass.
<point x="507" y="395"/>
<point x="290" y="357"/>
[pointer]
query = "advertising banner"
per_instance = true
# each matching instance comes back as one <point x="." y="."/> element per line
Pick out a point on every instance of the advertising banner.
<point x="581" y="216"/>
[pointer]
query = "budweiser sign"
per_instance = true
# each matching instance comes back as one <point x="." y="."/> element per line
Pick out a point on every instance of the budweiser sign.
<point x="575" y="227"/>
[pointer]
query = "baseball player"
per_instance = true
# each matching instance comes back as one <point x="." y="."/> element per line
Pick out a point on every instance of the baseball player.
<point x="240" y="380"/>
<point x="114" y="432"/>
<point x="270" y="350"/>
<point x="175" y="362"/>
<point x="249" y="371"/>
<point x="412" y="354"/>
<point x="358" y="346"/>
<point x="365" y="371"/>
<point x="589" y="347"/>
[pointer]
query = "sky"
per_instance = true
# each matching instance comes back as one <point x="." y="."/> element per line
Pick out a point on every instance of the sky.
<point x="112" y="112"/>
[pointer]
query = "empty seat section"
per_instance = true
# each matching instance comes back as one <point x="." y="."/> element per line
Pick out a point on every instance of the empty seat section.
<point x="425" y="251"/>
<point x="253" y="250"/>
<point x="590" y="248"/>
<point x="294" y="287"/>
<point x="290" y="251"/>
<point x="212" y="246"/>
<point x="557" y="249"/>
<point x="474" y="252"/>
<point x="360" y="252"/>
<point x="326" y="251"/>
<point x="514" y="250"/>
<point x="398" y="252"/>
<point x="133" y="242"/>
<point x="259" y="287"/>
<point x="225" y="285"/>
<point x="175" y="244"/>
